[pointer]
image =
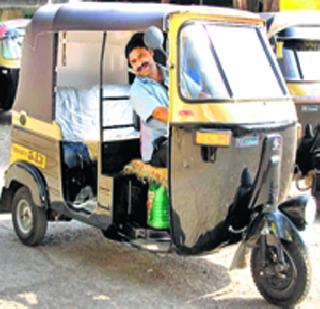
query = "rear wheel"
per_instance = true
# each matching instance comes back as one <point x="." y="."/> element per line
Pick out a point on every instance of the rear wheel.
<point x="29" y="220"/>
<point x="281" y="285"/>
<point x="7" y="90"/>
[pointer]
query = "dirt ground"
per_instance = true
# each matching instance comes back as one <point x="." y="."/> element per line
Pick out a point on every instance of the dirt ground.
<point x="76" y="267"/>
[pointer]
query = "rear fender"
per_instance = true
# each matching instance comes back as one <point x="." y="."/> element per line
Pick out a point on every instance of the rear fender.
<point x="23" y="174"/>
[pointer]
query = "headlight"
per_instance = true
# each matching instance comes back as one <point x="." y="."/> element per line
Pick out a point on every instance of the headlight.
<point x="311" y="210"/>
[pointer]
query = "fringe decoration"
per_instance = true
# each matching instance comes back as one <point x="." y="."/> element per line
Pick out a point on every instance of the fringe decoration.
<point x="146" y="172"/>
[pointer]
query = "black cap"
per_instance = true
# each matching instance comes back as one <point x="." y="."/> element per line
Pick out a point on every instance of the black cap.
<point x="137" y="40"/>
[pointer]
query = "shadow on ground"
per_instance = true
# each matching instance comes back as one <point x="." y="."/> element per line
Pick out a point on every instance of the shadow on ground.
<point x="82" y="269"/>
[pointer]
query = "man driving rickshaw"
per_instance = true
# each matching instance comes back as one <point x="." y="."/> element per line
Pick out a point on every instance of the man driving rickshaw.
<point x="230" y="152"/>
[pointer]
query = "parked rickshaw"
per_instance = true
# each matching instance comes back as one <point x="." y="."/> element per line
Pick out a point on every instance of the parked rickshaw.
<point x="231" y="154"/>
<point x="295" y="36"/>
<point x="11" y="39"/>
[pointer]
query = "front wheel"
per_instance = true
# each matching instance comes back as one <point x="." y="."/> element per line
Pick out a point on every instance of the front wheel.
<point x="29" y="221"/>
<point x="281" y="285"/>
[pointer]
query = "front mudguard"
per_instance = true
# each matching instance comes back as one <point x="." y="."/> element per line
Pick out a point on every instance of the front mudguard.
<point x="272" y="225"/>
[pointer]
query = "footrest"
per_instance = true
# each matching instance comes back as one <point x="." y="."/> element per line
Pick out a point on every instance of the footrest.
<point x="133" y="232"/>
<point x="161" y="246"/>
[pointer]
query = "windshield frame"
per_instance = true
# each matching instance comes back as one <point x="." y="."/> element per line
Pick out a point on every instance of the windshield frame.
<point x="297" y="61"/>
<point x="267" y="51"/>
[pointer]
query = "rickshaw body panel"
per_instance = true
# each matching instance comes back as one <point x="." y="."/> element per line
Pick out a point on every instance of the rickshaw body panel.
<point x="212" y="186"/>
<point x="35" y="143"/>
<point x="226" y="113"/>
<point x="306" y="96"/>
<point x="203" y="189"/>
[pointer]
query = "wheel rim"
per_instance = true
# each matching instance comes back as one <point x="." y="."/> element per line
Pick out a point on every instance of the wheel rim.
<point x="281" y="279"/>
<point x="24" y="216"/>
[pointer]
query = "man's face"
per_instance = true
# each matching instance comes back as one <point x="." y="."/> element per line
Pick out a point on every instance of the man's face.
<point x="141" y="61"/>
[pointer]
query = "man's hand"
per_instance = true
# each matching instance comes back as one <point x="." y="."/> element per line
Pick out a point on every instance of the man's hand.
<point x="161" y="114"/>
<point x="203" y="96"/>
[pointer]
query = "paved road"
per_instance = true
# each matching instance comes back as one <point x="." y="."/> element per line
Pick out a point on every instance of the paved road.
<point x="77" y="268"/>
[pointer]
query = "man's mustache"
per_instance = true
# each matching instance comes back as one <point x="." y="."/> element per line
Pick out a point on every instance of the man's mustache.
<point x="142" y="65"/>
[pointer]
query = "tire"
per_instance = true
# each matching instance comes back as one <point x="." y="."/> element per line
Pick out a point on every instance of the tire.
<point x="294" y="286"/>
<point x="111" y="233"/>
<point x="7" y="91"/>
<point x="29" y="221"/>
<point x="318" y="206"/>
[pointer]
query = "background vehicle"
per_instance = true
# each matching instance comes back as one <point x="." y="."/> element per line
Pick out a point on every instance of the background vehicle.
<point x="230" y="154"/>
<point x="11" y="39"/>
<point x="296" y="40"/>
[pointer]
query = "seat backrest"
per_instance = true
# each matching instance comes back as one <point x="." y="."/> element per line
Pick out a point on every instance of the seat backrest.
<point x="118" y="113"/>
<point x="77" y="112"/>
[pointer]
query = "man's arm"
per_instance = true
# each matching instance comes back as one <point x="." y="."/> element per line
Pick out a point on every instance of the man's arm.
<point x="161" y="114"/>
<point x="146" y="105"/>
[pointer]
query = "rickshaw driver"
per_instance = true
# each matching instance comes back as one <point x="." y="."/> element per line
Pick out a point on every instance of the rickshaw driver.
<point x="149" y="97"/>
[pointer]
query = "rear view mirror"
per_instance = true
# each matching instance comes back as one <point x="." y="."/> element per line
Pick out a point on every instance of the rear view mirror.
<point x="153" y="37"/>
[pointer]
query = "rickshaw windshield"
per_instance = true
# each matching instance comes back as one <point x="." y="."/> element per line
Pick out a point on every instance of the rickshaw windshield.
<point x="11" y="44"/>
<point x="226" y="62"/>
<point x="300" y="60"/>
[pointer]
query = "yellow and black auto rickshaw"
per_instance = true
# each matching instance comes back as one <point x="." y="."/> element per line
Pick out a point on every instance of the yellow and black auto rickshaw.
<point x="295" y="36"/>
<point x="75" y="151"/>
<point x="11" y="39"/>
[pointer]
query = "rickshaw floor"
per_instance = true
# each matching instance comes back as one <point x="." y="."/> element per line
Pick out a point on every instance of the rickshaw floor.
<point x="133" y="231"/>
<point x="162" y="246"/>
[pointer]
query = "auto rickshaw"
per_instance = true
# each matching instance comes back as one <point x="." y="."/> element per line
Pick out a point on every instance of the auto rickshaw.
<point x="11" y="38"/>
<point x="295" y="36"/>
<point x="230" y="154"/>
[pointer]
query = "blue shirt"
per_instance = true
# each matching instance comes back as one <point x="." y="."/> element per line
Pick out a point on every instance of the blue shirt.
<point x="146" y="94"/>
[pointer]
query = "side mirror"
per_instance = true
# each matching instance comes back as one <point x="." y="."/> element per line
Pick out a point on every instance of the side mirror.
<point x="153" y="37"/>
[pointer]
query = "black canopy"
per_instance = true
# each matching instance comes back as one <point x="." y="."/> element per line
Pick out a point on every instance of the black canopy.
<point x="35" y="91"/>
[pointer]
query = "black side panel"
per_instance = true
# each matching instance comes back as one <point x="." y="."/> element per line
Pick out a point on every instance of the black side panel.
<point x="130" y="200"/>
<point x="204" y="181"/>
<point x="308" y="114"/>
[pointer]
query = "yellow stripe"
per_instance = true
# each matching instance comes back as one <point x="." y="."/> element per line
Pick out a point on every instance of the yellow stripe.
<point x="299" y="5"/>
<point x="304" y="89"/>
<point x="10" y="64"/>
<point x="21" y="153"/>
<point x="242" y="112"/>
<point x="50" y="130"/>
